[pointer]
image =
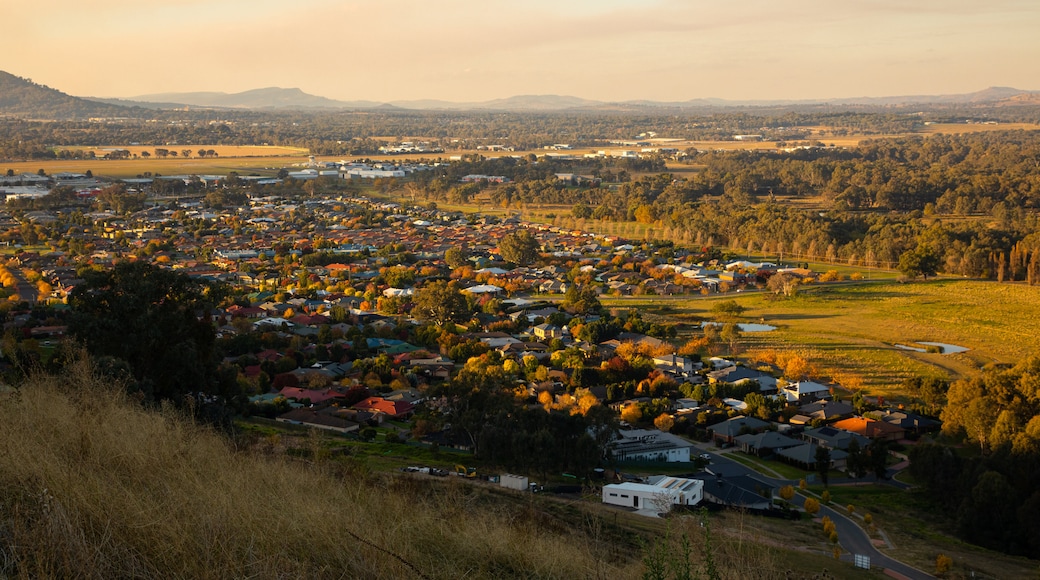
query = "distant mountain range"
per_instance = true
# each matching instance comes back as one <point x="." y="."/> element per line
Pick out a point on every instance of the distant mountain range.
<point x="23" y="98"/>
<point x="278" y="98"/>
<point x="267" y="98"/>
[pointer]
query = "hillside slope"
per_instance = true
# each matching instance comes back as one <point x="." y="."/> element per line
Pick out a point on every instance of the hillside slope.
<point x="23" y="98"/>
<point x="92" y="486"/>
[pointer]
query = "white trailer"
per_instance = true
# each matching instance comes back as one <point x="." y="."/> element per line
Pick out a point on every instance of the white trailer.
<point x="517" y="482"/>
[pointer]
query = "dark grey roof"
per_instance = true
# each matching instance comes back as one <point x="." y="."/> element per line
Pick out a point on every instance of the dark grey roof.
<point x="732" y="427"/>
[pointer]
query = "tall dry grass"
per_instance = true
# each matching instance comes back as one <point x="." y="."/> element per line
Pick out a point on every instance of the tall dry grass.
<point x="93" y="486"/>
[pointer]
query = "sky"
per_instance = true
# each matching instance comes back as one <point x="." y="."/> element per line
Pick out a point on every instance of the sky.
<point x="475" y="50"/>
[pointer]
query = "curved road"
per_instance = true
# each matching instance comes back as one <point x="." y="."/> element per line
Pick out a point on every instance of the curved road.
<point x="851" y="537"/>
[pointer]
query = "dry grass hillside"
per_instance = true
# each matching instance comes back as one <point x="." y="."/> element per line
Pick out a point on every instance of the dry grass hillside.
<point x="93" y="486"/>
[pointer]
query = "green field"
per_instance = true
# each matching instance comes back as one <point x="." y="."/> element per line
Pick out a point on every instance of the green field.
<point x="852" y="329"/>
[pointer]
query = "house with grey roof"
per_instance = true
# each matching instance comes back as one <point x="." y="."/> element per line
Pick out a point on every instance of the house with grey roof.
<point x="736" y="490"/>
<point x="765" y="443"/>
<point x="804" y="456"/>
<point x="649" y="445"/>
<point x="726" y="432"/>
<point x="834" y="438"/>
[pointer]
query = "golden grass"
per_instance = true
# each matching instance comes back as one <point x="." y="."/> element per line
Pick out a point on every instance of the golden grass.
<point x="851" y="330"/>
<point x="128" y="168"/>
<point x="94" y="487"/>
<point x="959" y="128"/>
<point x="221" y="150"/>
<point x="91" y="486"/>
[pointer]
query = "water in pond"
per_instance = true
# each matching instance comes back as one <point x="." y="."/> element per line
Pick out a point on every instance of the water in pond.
<point x="744" y="326"/>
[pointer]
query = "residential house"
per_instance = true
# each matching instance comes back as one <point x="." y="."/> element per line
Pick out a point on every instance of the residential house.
<point x="649" y="445"/>
<point x="726" y="432"/>
<point x="319" y="420"/>
<point x="826" y="411"/>
<point x="804" y="392"/>
<point x="397" y="409"/>
<point x="911" y="422"/>
<point x="834" y="438"/>
<point x="736" y="490"/>
<point x="872" y="429"/>
<point x="548" y="331"/>
<point x="804" y="456"/>
<point x="765" y="443"/>
<point x="660" y="496"/>
<point x="740" y="374"/>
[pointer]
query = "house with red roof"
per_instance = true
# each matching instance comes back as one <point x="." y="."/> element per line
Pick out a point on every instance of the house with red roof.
<point x="392" y="409"/>
<point x="872" y="429"/>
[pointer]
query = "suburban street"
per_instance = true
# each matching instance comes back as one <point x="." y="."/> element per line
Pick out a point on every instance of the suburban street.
<point x="850" y="535"/>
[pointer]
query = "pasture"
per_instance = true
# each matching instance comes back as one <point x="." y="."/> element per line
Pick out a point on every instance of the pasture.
<point x="245" y="159"/>
<point x="851" y="330"/>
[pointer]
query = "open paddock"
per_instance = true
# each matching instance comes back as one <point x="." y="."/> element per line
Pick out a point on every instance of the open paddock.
<point x="852" y="329"/>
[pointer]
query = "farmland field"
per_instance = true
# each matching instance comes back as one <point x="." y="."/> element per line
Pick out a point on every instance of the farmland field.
<point x="852" y="330"/>
<point x="230" y="159"/>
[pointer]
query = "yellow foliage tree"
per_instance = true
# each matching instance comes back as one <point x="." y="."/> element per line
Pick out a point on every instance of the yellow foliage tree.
<point x="564" y="402"/>
<point x="664" y="422"/>
<point x="693" y="346"/>
<point x="586" y="400"/>
<point x="545" y="399"/>
<point x="943" y="565"/>
<point x="631" y="414"/>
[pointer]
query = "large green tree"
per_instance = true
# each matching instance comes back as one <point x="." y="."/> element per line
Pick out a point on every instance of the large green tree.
<point x="157" y="322"/>
<point x="441" y="302"/>
<point x="922" y="261"/>
<point x="520" y="248"/>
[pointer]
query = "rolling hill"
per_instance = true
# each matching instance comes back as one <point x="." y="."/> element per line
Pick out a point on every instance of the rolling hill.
<point x="20" y="97"/>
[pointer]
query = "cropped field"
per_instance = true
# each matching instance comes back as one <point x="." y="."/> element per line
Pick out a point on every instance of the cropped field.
<point x="128" y="168"/>
<point x="852" y="330"/>
<point x="221" y="150"/>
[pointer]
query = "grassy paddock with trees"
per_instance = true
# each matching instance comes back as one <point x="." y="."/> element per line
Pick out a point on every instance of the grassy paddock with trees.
<point x="852" y="329"/>
<point x="129" y="168"/>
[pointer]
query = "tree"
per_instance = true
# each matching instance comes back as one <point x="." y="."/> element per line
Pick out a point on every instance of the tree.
<point x="731" y="334"/>
<point x="155" y="320"/>
<point x="631" y="414"/>
<point x="441" y="302"/>
<point x="664" y="422"/>
<point x="455" y="257"/>
<point x="943" y="565"/>
<point x="922" y="261"/>
<point x="857" y="462"/>
<point x="823" y="462"/>
<point x="783" y="283"/>
<point x="811" y="506"/>
<point x="520" y="248"/>
<point x="728" y="308"/>
<point x="581" y="299"/>
<point x="787" y="493"/>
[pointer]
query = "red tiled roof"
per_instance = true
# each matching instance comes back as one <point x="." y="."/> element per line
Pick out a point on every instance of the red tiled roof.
<point x="391" y="408"/>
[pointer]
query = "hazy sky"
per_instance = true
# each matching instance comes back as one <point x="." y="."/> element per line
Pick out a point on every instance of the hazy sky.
<point x="483" y="49"/>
